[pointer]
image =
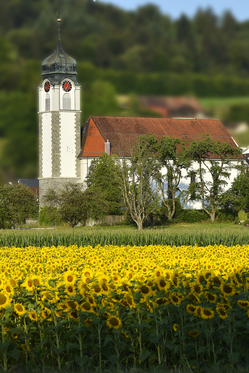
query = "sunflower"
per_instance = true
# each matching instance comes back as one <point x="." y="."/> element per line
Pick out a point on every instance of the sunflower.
<point x="25" y="347"/>
<point x="72" y="305"/>
<point x="144" y="290"/>
<point x="175" y="327"/>
<point x="197" y="288"/>
<point x="104" y="287"/>
<point x="193" y="333"/>
<point x="194" y="298"/>
<point x="33" y="316"/>
<point x="87" y="322"/>
<point x="4" y="300"/>
<point x="49" y="297"/>
<point x="114" y="322"/>
<point x="8" y="289"/>
<point x="70" y="290"/>
<point x="190" y="308"/>
<point x="162" y="283"/>
<point x="37" y="280"/>
<point x="19" y="309"/>
<point x="86" y="307"/>
<point x="206" y="313"/>
<point x="211" y="297"/>
<point x="227" y="290"/>
<point x="175" y="278"/>
<point x="176" y="299"/>
<point x="96" y="289"/>
<point x="73" y="315"/>
<point x="243" y="303"/>
<point x="47" y="314"/>
<point x="28" y="284"/>
<point x="69" y="278"/>
<point x="161" y="301"/>
<point x="128" y="301"/>
<point x="221" y="312"/>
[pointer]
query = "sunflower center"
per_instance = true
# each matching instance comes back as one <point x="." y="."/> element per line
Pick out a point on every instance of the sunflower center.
<point x="69" y="278"/>
<point x="145" y="290"/>
<point x="162" y="283"/>
<point x="30" y="284"/>
<point x="86" y="306"/>
<point x="113" y="321"/>
<point x="19" y="308"/>
<point x="3" y="298"/>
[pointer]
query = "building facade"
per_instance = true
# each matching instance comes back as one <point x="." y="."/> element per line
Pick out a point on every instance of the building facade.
<point x="59" y="121"/>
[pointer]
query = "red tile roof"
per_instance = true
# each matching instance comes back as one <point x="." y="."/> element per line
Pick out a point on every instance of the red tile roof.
<point x="123" y="132"/>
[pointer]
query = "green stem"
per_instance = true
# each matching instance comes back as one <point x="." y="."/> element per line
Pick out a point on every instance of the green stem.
<point x="57" y="338"/>
<point x="5" y="348"/>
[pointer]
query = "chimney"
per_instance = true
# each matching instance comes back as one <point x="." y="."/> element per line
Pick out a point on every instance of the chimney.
<point x="108" y="147"/>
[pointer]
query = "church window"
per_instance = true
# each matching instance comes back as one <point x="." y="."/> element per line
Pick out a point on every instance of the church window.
<point x="66" y="101"/>
<point x="47" y="102"/>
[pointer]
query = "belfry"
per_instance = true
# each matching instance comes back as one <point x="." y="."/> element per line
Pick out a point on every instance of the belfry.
<point x="59" y="121"/>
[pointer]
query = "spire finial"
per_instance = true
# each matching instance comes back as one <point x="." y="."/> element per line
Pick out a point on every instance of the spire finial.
<point x="59" y="22"/>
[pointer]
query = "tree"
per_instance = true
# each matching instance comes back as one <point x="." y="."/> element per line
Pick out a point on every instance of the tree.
<point x="212" y="159"/>
<point x="76" y="205"/>
<point x="171" y="156"/>
<point x="17" y="203"/>
<point x="104" y="178"/>
<point x="236" y="198"/>
<point x="137" y="175"/>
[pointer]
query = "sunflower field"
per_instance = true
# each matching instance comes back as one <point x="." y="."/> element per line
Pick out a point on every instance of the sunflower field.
<point x="91" y="308"/>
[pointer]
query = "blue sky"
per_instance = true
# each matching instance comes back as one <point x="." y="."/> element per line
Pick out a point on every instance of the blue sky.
<point x="239" y="8"/>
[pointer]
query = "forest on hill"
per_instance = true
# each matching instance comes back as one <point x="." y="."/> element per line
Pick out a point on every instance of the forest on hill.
<point x="117" y="52"/>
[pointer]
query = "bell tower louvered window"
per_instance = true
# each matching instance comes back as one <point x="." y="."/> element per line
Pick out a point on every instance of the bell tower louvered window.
<point x="47" y="102"/>
<point x="66" y="101"/>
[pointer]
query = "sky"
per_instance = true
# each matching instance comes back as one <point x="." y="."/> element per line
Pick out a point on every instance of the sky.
<point x="174" y="8"/>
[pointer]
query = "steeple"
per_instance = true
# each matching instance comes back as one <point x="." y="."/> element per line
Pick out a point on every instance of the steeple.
<point x="59" y="64"/>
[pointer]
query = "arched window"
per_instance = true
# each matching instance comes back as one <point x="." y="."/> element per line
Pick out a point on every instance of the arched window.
<point x="66" y="101"/>
<point x="47" y="102"/>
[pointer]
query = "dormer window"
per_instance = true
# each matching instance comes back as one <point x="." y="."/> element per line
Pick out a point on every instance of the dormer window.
<point x="47" y="102"/>
<point x="66" y="101"/>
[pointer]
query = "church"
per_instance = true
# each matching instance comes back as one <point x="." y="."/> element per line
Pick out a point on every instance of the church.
<point x="65" y="155"/>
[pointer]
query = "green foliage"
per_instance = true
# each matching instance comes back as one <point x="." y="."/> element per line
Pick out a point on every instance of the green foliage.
<point x="242" y="215"/>
<point x="104" y="177"/>
<point x="209" y="234"/>
<point x="140" y="196"/>
<point x="49" y="215"/>
<point x="170" y="155"/>
<point x="237" y="197"/>
<point x="237" y="113"/>
<point x="75" y="205"/>
<point x="210" y="192"/>
<point x="17" y="203"/>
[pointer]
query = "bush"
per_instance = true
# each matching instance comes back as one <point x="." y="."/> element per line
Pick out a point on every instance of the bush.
<point x="190" y="216"/>
<point x="49" y="216"/>
<point x="225" y="215"/>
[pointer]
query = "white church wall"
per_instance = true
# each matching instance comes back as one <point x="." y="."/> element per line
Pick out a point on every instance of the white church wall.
<point x="67" y="148"/>
<point x="77" y="98"/>
<point x="84" y="167"/>
<point x="46" y="144"/>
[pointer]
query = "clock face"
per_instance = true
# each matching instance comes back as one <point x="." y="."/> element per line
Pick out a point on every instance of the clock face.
<point x="47" y="87"/>
<point x="67" y="86"/>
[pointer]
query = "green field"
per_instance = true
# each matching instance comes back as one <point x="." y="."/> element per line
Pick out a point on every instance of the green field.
<point x="202" y="234"/>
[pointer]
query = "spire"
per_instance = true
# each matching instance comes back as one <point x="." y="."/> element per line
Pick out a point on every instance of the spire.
<point x="59" y="62"/>
<point x="59" y="26"/>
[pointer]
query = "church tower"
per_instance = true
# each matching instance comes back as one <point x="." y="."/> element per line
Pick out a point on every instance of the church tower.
<point x="59" y="121"/>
